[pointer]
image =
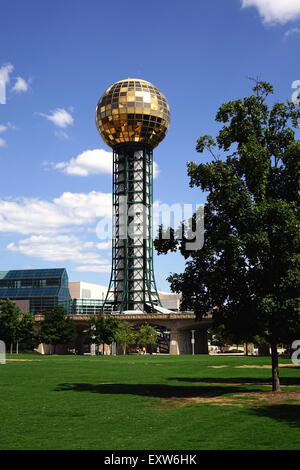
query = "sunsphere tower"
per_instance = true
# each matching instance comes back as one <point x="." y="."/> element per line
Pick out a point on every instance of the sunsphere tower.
<point x="132" y="117"/>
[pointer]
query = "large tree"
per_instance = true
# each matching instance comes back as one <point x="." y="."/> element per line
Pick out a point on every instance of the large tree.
<point x="249" y="264"/>
<point x="146" y="336"/>
<point x="27" y="337"/>
<point x="125" y="335"/>
<point x="17" y="328"/>
<point x="57" y="328"/>
<point x="9" y="322"/>
<point x="102" y="330"/>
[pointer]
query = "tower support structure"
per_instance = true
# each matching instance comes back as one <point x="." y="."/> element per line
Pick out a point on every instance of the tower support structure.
<point x="132" y="283"/>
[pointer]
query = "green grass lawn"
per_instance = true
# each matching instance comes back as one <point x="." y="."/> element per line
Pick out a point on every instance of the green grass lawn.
<point x="147" y="402"/>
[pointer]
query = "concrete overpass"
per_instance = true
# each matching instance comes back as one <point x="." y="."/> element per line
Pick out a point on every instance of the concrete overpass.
<point x="180" y="326"/>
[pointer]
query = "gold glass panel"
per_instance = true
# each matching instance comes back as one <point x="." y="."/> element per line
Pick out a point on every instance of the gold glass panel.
<point x="146" y="96"/>
<point x="133" y="110"/>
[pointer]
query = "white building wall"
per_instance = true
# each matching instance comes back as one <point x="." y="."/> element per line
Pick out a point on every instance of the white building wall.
<point x="86" y="290"/>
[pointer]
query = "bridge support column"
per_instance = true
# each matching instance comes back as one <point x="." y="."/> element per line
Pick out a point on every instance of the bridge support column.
<point x="180" y="342"/>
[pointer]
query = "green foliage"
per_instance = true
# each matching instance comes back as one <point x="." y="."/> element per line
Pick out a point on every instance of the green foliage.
<point x="27" y="337"/>
<point x="111" y="327"/>
<point x="220" y="336"/>
<point x="102" y="330"/>
<point x="9" y="322"/>
<point x="57" y="328"/>
<point x="146" y="336"/>
<point x="250" y="263"/>
<point x="94" y="333"/>
<point x="17" y="327"/>
<point x="125" y="335"/>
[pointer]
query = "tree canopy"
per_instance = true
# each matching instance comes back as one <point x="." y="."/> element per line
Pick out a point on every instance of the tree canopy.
<point x="125" y="335"/>
<point x="17" y="327"/>
<point x="146" y="336"/>
<point x="27" y="336"/>
<point x="249" y="264"/>
<point x="9" y="322"/>
<point x="102" y="329"/>
<point x="57" y="328"/>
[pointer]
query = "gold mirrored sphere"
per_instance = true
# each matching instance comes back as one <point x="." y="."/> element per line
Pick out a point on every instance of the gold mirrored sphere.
<point x="133" y="110"/>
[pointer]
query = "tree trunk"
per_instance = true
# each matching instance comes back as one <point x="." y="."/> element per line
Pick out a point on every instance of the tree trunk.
<point x="275" y="369"/>
<point x="11" y="348"/>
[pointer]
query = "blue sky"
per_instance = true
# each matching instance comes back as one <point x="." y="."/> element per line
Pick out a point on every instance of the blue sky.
<point x="58" y="57"/>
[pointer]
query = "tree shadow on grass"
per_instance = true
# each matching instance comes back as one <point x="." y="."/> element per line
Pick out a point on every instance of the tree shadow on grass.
<point x="287" y="413"/>
<point x="288" y="381"/>
<point x="153" y="390"/>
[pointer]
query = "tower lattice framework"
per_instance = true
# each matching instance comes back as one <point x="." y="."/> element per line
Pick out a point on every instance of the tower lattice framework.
<point x="132" y="283"/>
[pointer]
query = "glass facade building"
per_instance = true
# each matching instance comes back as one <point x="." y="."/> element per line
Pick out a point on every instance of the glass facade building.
<point x="43" y="288"/>
<point x="88" y="307"/>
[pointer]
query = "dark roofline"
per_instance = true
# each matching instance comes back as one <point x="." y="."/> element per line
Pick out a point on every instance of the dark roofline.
<point x="33" y="273"/>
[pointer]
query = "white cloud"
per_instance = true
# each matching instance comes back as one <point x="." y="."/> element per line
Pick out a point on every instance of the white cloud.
<point x="156" y="170"/>
<point x="93" y="269"/>
<point x="60" y="118"/>
<point x="104" y="245"/>
<point x="58" y="229"/>
<point x="4" y="128"/>
<point x="2" y="141"/>
<point x="61" y="134"/>
<point x="5" y="72"/>
<point x="275" y="11"/>
<point x="9" y="125"/>
<point x="292" y="31"/>
<point x="90" y="162"/>
<point x="70" y="211"/>
<point x="58" y="249"/>
<point x="21" y="86"/>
